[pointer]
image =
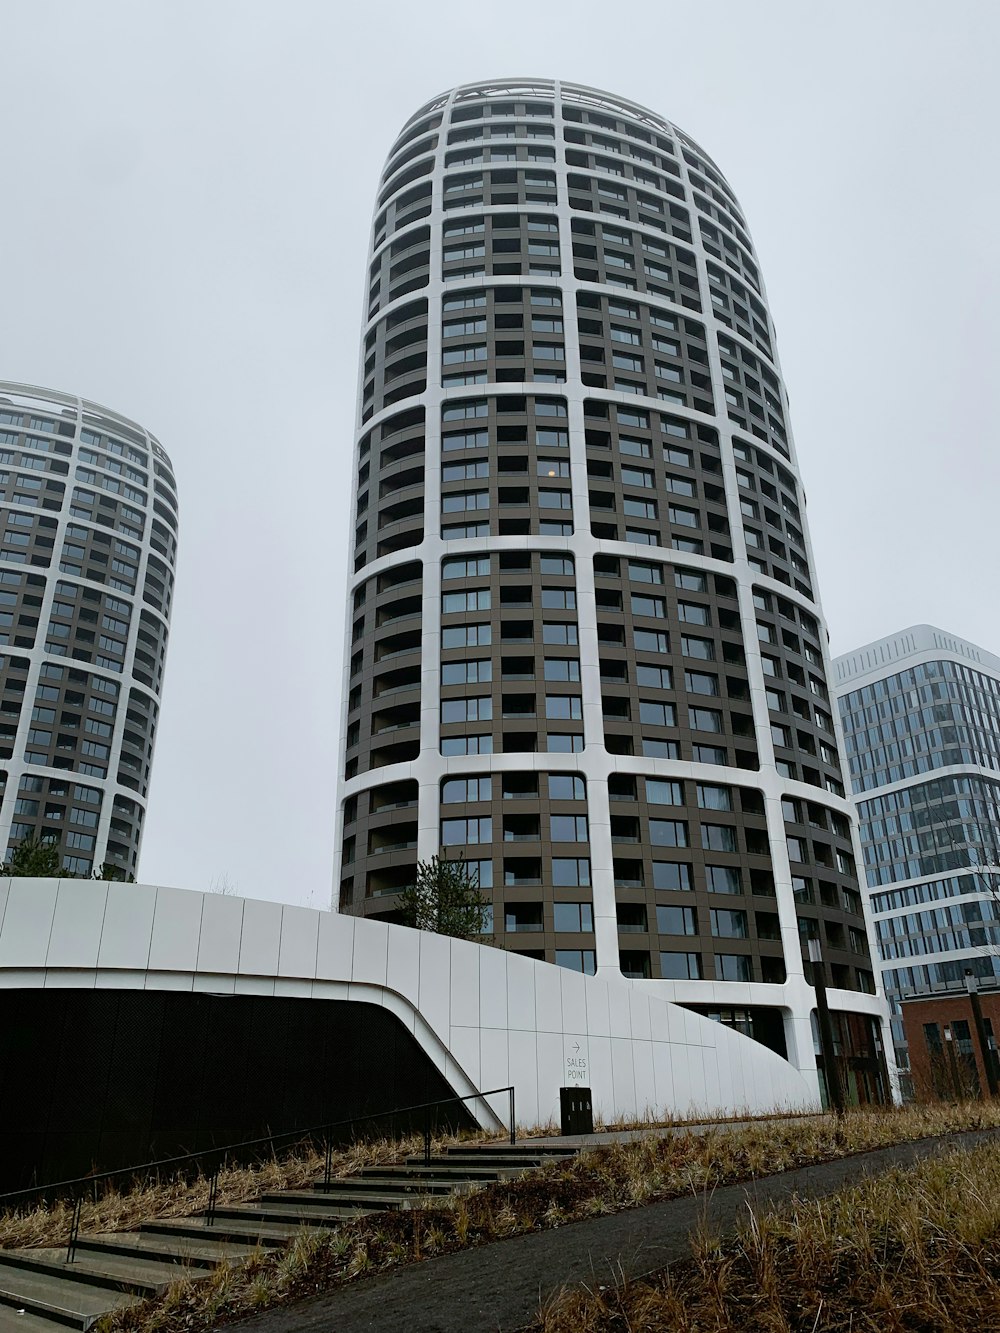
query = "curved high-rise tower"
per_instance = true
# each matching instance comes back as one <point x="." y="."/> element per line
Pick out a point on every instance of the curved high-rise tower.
<point x="584" y="648"/>
<point x="87" y="549"/>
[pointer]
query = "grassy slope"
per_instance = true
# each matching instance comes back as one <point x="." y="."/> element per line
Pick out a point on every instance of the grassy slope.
<point x="912" y="1249"/>
<point x="607" y="1179"/>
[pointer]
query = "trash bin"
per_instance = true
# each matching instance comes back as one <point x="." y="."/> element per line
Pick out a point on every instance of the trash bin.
<point x="576" y="1111"/>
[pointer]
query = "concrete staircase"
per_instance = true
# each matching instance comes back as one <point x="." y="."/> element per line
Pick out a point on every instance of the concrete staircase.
<point x="39" y="1290"/>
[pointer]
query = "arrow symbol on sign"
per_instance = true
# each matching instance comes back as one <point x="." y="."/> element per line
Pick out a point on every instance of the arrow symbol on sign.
<point x="576" y="1046"/>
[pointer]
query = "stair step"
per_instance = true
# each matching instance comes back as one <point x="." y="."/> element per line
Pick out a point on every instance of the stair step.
<point x="136" y="1272"/>
<point x="373" y="1200"/>
<point x="38" y="1290"/>
<point x="496" y="1158"/>
<point x="526" y="1147"/>
<point x="296" y="1215"/>
<point x="239" y="1242"/>
<point x="21" y="1320"/>
<point x="316" y="1198"/>
<point x="52" y="1263"/>
<point x="172" y="1257"/>
<point x="389" y="1184"/>
<point x="322" y="1218"/>
<point x="175" y="1248"/>
<point x="60" y="1300"/>
<point x="451" y="1170"/>
<point x="328" y="1215"/>
<point x="320" y="1205"/>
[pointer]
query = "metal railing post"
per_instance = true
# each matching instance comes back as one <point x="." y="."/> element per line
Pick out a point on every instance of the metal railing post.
<point x="213" y="1198"/>
<point x="74" y="1228"/>
<point x="187" y="1163"/>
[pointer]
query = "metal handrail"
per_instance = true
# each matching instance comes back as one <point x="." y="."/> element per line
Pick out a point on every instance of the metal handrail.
<point x="71" y="1187"/>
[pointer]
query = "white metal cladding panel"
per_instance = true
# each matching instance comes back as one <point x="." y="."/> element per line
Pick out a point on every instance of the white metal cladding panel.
<point x="466" y="1052"/>
<point x="254" y="985"/>
<point x="371" y="949"/>
<point x="645" y="1082"/>
<point x="214" y="983"/>
<point x="494" y="1060"/>
<point x="599" y="1013"/>
<point x="492" y="989"/>
<point x="574" y="1001"/>
<point x="521" y="1014"/>
<point x="623" y="1072"/>
<point x="434" y="997"/>
<point x="663" y="1075"/>
<point x="335" y="954"/>
<point x="522" y="1068"/>
<point x="221" y="924"/>
<point x="293" y="988"/>
<point x="621" y="1019"/>
<point x="713" y="1079"/>
<point x="601" y="1066"/>
<point x="176" y="931"/>
<point x="77" y="924"/>
<point x="404" y="965"/>
<point x="548" y="1056"/>
<point x="299" y="939"/>
<point x="548" y="1001"/>
<point x="27" y="922"/>
<point x="164" y="979"/>
<point x="463" y="981"/>
<point x="128" y="928"/>
<point x="261" y="937"/>
<point x="483" y="1016"/>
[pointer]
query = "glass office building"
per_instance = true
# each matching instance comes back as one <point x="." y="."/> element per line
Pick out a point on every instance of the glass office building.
<point x="921" y="718"/>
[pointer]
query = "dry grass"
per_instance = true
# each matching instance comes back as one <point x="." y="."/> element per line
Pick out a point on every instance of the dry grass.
<point x="603" y="1180"/>
<point x="912" y="1249"/>
<point x="123" y="1209"/>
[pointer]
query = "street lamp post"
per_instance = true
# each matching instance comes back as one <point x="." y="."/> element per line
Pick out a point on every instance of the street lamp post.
<point x="985" y="1047"/>
<point x="833" y="1085"/>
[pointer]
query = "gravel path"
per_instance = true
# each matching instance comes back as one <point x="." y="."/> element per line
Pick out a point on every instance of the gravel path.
<point x="499" y="1288"/>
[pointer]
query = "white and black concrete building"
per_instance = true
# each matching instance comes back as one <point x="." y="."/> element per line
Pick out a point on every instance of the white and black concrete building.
<point x="921" y="719"/>
<point x="88" y="541"/>
<point x="585" y="649"/>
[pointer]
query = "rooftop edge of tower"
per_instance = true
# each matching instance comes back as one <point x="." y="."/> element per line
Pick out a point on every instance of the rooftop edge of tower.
<point x="12" y="390"/>
<point x="580" y="93"/>
<point x="890" y="654"/>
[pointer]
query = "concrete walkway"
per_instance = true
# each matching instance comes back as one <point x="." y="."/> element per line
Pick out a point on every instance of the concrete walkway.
<point x="500" y="1288"/>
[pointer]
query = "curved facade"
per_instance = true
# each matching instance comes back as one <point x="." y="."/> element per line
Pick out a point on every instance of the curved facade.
<point x="584" y="648"/>
<point x="921" y="717"/>
<point x="87" y="551"/>
<point x="273" y="997"/>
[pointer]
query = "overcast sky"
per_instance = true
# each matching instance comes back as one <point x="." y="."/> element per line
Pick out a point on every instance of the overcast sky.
<point x="187" y="191"/>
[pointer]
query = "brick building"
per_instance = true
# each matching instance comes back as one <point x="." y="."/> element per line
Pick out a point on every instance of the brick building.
<point x="946" y="1055"/>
